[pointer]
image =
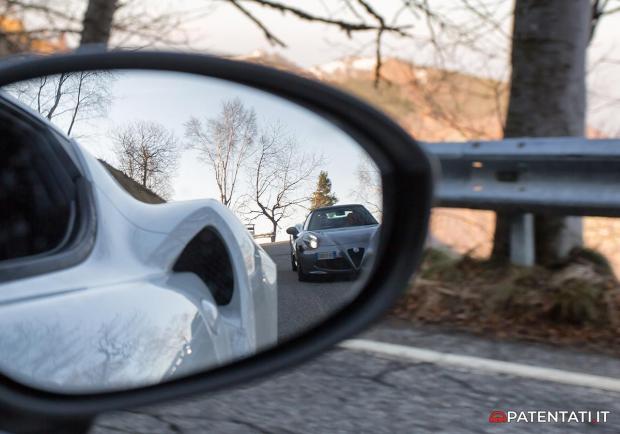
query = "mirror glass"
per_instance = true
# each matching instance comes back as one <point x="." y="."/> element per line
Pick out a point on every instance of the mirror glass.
<point x="252" y="219"/>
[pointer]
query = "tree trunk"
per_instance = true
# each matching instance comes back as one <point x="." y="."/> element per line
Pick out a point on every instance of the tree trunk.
<point x="547" y="99"/>
<point x="97" y="22"/>
<point x="273" y="234"/>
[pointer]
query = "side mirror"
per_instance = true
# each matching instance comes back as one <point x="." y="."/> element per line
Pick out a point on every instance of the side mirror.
<point x="292" y="231"/>
<point x="129" y="303"/>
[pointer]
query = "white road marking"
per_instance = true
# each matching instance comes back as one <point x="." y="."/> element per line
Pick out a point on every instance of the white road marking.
<point x="485" y="365"/>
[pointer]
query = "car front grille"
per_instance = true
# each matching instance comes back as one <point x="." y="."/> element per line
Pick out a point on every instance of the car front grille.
<point x="338" y="264"/>
<point x="356" y="257"/>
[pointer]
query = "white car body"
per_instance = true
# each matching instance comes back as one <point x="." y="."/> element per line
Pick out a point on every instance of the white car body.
<point x="122" y="317"/>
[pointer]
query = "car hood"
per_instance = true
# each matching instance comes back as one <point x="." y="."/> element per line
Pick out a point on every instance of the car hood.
<point x="357" y="235"/>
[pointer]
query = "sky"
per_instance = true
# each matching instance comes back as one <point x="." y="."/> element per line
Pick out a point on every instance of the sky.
<point x="222" y="29"/>
<point x="171" y="99"/>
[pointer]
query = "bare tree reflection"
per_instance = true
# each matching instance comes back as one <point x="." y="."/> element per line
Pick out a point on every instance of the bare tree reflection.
<point x="147" y="152"/>
<point x="278" y="175"/>
<point x="224" y="143"/>
<point x="124" y="351"/>
<point x="68" y="98"/>
<point x="369" y="190"/>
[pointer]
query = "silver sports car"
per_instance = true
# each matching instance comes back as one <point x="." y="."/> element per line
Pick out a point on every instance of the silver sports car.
<point x="333" y="241"/>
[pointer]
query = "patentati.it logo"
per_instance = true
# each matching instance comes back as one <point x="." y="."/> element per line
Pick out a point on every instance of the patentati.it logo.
<point x="545" y="416"/>
<point x="498" y="416"/>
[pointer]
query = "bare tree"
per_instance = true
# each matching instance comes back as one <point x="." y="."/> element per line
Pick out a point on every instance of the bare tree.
<point x="91" y="95"/>
<point x="112" y="351"/>
<point x="47" y="35"/>
<point x="278" y="174"/>
<point x="224" y="143"/>
<point x="362" y="10"/>
<point x="98" y="21"/>
<point x="48" y="26"/>
<point x="148" y="153"/>
<point x="43" y="94"/>
<point x="369" y="190"/>
<point x="601" y="8"/>
<point x="67" y="98"/>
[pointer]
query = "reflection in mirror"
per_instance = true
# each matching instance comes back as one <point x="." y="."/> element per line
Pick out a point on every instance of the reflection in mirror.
<point x="307" y="202"/>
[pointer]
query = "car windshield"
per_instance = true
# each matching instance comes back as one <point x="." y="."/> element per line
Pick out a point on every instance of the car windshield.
<point x="341" y="217"/>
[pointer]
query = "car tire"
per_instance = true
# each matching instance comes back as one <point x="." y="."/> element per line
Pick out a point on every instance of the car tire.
<point x="293" y="262"/>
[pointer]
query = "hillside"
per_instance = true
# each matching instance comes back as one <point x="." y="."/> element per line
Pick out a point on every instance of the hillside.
<point x="274" y="60"/>
<point x="432" y="104"/>
<point x="141" y="193"/>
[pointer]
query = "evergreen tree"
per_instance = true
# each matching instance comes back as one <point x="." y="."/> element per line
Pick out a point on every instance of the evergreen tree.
<point x="323" y="195"/>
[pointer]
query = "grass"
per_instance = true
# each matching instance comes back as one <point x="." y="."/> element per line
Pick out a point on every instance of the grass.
<point x="440" y="264"/>
<point x="577" y="302"/>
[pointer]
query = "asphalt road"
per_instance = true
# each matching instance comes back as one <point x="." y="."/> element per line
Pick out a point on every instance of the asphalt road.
<point x="347" y="391"/>
<point x="304" y="304"/>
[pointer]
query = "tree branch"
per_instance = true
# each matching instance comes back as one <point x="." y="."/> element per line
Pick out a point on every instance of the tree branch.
<point x="273" y="39"/>
<point x="346" y="26"/>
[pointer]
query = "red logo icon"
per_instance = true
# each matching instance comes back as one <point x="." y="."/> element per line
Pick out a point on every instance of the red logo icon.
<point x="498" y="416"/>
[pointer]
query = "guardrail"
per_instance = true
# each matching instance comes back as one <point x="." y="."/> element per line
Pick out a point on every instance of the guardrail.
<point x="565" y="176"/>
<point x="251" y="227"/>
<point x="263" y="235"/>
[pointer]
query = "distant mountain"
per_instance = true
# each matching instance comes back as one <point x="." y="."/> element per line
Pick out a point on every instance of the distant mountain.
<point x="432" y="104"/>
<point x="346" y="66"/>
<point x="274" y="60"/>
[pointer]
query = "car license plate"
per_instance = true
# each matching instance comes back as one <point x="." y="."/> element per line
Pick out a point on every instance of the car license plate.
<point x="326" y="255"/>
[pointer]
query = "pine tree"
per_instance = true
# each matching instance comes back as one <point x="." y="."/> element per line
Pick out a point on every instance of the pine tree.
<point x="323" y="195"/>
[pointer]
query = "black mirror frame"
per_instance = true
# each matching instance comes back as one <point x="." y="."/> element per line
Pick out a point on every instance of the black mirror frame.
<point x="407" y="178"/>
<point x="292" y="231"/>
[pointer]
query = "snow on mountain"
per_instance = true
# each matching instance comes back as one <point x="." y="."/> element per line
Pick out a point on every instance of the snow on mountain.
<point x="344" y="66"/>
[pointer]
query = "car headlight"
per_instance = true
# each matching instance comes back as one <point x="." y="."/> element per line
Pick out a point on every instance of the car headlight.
<point x="311" y="241"/>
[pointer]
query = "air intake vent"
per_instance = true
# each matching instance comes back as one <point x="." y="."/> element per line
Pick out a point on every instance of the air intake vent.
<point x="206" y="256"/>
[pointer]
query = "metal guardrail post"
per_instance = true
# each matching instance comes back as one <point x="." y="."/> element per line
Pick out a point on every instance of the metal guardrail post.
<point x="522" y="250"/>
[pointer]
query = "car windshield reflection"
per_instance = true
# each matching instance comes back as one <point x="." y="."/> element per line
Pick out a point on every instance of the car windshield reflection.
<point x="340" y="217"/>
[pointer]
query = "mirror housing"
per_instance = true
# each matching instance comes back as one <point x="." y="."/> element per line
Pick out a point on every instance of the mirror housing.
<point x="292" y="231"/>
<point x="407" y="180"/>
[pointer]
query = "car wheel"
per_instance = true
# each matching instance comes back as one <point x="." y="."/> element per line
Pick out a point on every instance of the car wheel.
<point x="293" y="262"/>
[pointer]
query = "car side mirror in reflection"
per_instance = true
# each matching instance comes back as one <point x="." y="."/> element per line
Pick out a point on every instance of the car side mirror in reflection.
<point x="133" y="279"/>
<point x="292" y="231"/>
